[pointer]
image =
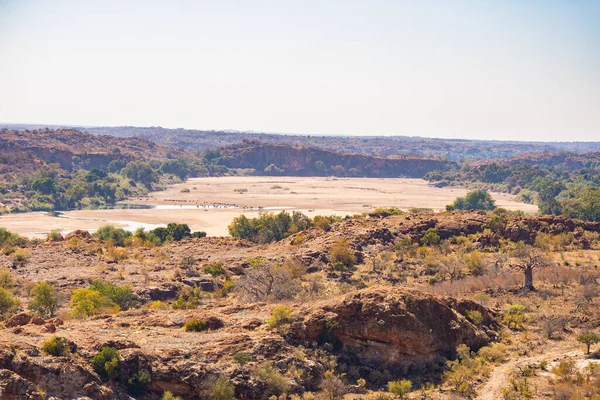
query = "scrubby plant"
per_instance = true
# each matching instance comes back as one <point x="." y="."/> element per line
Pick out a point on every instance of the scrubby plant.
<point x="242" y="358"/>
<point x="215" y="269"/>
<point x="474" y="316"/>
<point x="6" y="279"/>
<point x="279" y="316"/>
<point x="275" y="382"/>
<point x="169" y="396"/>
<point x="195" y="325"/>
<point x="495" y="352"/>
<point x="20" y="257"/>
<point x="515" y="315"/>
<point x="87" y="302"/>
<point x="44" y="299"/>
<point x="431" y="237"/>
<point x="54" y="235"/>
<point x="221" y="389"/>
<point x="120" y="295"/>
<point x="106" y="362"/>
<point x="55" y="346"/>
<point x="138" y="383"/>
<point x="8" y="303"/>
<point x="158" y="305"/>
<point x="340" y="253"/>
<point x="400" y="387"/>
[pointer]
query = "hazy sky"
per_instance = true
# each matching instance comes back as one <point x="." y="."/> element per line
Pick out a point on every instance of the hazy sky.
<point x="506" y="69"/>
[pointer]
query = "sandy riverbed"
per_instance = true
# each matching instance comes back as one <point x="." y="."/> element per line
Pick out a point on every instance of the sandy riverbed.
<point x="313" y="196"/>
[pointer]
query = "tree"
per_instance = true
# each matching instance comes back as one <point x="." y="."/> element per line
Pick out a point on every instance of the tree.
<point x="44" y="299"/>
<point x="475" y="200"/>
<point x="140" y="171"/>
<point x="400" y="388"/>
<point x="86" y="302"/>
<point x="8" y="303"/>
<point x="527" y="258"/>
<point x="588" y="339"/>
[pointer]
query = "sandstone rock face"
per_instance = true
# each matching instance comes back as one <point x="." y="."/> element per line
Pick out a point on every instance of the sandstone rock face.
<point x="396" y="327"/>
<point x="13" y="387"/>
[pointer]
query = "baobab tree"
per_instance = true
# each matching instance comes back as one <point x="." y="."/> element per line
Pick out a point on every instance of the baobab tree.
<point x="527" y="258"/>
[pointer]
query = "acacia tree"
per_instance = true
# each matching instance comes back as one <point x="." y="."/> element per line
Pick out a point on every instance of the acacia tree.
<point x="527" y="258"/>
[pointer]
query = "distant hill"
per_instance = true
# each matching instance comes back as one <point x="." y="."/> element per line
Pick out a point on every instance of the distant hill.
<point x="283" y="159"/>
<point x="453" y="149"/>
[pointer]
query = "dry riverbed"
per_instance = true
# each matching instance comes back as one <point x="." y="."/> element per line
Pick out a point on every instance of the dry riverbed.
<point x="212" y="203"/>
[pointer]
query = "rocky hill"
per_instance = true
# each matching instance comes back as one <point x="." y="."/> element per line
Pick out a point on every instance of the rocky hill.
<point x="71" y="148"/>
<point x="281" y="159"/>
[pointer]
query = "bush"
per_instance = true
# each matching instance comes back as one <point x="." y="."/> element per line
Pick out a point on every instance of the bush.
<point x="279" y="316"/>
<point x="87" y="302"/>
<point x="195" y="325"/>
<point x="494" y="353"/>
<point x="106" y="362"/>
<point x="119" y="295"/>
<point x="268" y="227"/>
<point x="169" y="396"/>
<point x="54" y="235"/>
<point x="6" y="279"/>
<point x="242" y="358"/>
<point x="20" y="257"/>
<point x="44" y="299"/>
<point x="474" y="316"/>
<point x="109" y="233"/>
<point x="340" y="253"/>
<point x="514" y="315"/>
<point x="215" y="269"/>
<point x="275" y="382"/>
<point x="8" y="303"/>
<point x="431" y="237"/>
<point x="55" y="346"/>
<point x="138" y="383"/>
<point x="221" y="389"/>
<point x="400" y="388"/>
<point x="475" y="200"/>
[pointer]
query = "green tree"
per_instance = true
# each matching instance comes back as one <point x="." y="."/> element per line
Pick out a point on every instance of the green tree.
<point x="87" y="302"/>
<point x="221" y="389"/>
<point x="475" y="200"/>
<point x="400" y="387"/>
<point x="8" y="303"/>
<point x="44" y="299"/>
<point x="588" y="339"/>
<point x="106" y="362"/>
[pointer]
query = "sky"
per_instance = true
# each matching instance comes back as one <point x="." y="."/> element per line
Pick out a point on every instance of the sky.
<point x="504" y="70"/>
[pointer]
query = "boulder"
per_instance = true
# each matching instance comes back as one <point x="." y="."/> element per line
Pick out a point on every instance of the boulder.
<point x="395" y="327"/>
<point x="19" y="319"/>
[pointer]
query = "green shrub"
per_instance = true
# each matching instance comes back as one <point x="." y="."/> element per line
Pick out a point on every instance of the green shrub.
<point x="109" y="233"/>
<point x="119" y="295"/>
<point x="221" y="389"/>
<point x="44" y="299"/>
<point x="215" y="269"/>
<point x="400" y="387"/>
<point x="8" y="303"/>
<point x="275" y="382"/>
<point x="279" y="316"/>
<point x="55" y="346"/>
<point x="106" y="362"/>
<point x="242" y="358"/>
<point x="495" y="352"/>
<point x="20" y="257"/>
<point x="54" y="235"/>
<point x="340" y="253"/>
<point x="195" y="325"/>
<point x="475" y="200"/>
<point x="6" y="279"/>
<point x="474" y="316"/>
<point x="87" y="302"/>
<point x="431" y="237"/>
<point x="138" y="383"/>
<point x="169" y="396"/>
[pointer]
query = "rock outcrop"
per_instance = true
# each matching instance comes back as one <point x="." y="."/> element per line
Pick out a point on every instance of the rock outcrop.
<point x="395" y="327"/>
